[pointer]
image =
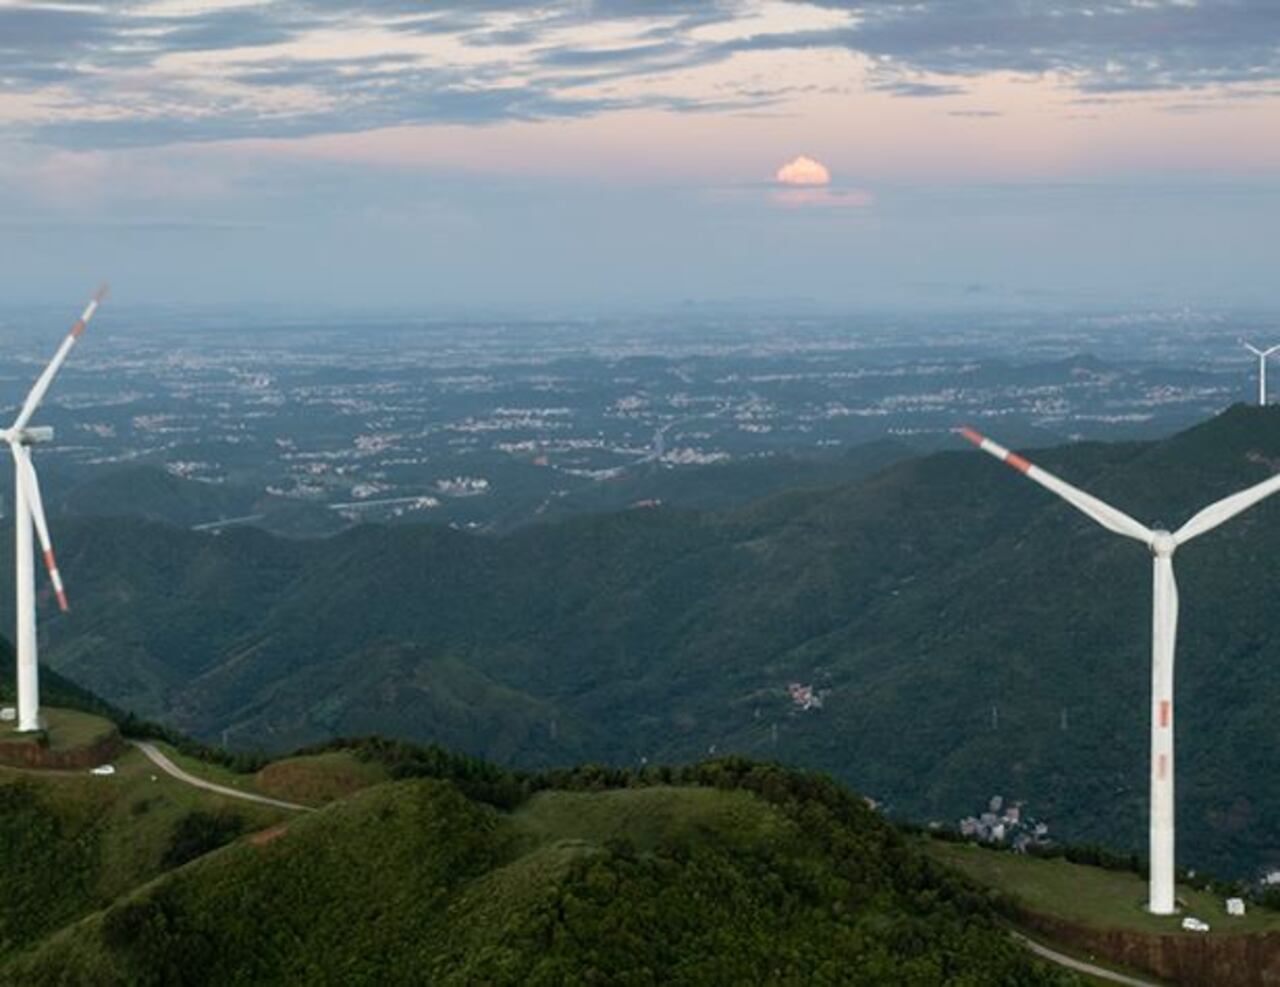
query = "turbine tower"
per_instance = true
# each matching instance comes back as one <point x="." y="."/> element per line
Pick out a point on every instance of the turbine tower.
<point x="28" y="512"/>
<point x="1164" y="630"/>
<point x="1262" y="368"/>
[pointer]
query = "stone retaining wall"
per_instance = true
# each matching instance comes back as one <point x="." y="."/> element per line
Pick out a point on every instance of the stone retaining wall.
<point x="30" y="754"/>
<point x="1187" y="960"/>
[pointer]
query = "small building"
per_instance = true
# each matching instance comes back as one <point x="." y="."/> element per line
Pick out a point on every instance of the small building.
<point x="804" y="696"/>
<point x="997" y="803"/>
<point x="1235" y="906"/>
<point x="1013" y="814"/>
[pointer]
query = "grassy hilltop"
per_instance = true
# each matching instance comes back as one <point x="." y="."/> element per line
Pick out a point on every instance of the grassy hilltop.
<point x="460" y="873"/>
<point x="71" y="843"/>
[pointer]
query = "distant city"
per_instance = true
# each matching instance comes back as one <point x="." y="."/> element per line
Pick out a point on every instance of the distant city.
<point x="487" y="425"/>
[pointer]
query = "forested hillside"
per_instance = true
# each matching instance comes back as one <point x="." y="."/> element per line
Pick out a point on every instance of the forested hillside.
<point x="968" y="635"/>
<point x="726" y="872"/>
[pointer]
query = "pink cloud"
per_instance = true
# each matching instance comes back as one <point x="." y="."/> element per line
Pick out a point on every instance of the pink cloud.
<point x="803" y="171"/>
<point x="822" y="196"/>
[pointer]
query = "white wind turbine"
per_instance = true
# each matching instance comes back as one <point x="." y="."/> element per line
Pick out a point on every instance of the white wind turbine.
<point x="28" y="512"/>
<point x="1262" y="368"/>
<point x="1164" y="623"/>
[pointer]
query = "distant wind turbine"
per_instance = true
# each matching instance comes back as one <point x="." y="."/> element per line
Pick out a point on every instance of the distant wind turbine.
<point x="1262" y="368"/>
<point x="28" y="511"/>
<point x="1164" y="622"/>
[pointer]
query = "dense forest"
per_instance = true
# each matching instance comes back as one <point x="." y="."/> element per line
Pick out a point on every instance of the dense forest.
<point x="456" y="871"/>
<point x="966" y="633"/>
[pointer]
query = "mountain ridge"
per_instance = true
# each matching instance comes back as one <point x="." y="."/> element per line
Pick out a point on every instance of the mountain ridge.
<point x="916" y="601"/>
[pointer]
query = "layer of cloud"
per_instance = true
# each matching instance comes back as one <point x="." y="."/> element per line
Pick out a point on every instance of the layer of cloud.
<point x="137" y="73"/>
<point x="822" y="196"/>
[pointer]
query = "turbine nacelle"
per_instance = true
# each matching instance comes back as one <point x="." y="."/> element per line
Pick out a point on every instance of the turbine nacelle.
<point x="1258" y="352"/>
<point x="28" y="436"/>
<point x="1163" y="544"/>
<point x="1262" y="367"/>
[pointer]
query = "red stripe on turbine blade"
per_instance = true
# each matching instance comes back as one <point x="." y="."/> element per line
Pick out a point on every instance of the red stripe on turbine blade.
<point x="56" y="578"/>
<point x="1164" y="712"/>
<point x="1162" y="769"/>
<point x="1017" y="462"/>
<point x="78" y="328"/>
<point x="971" y="435"/>
<point x="101" y="293"/>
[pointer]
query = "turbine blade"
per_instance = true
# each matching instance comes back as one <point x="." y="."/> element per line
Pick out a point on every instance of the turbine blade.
<point x="31" y="487"/>
<point x="1104" y="514"/>
<point x="1225" y="509"/>
<point x="42" y="383"/>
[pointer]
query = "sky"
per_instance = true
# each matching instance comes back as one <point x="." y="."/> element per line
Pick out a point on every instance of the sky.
<point x="629" y="155"/>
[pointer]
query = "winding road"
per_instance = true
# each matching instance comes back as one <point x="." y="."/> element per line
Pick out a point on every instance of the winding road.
<point x="158" y="758"/>
<point x="1080" y="966"/>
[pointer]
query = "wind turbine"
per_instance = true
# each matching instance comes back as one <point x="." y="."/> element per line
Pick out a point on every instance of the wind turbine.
<point x="1262" y="368"/>
<point x="1164" y="624"/>
<point x="28" y="512"/>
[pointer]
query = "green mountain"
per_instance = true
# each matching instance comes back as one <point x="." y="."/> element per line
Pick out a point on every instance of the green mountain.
<point x="71" y="843"/>
<point x="726" y="872"/>
<point x="968" y="635"/>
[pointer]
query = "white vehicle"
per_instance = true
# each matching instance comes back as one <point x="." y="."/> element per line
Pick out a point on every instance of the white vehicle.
<point x="8" y="714"/>
<point x="1191" y="924"/>
<point x="104" y="770"/>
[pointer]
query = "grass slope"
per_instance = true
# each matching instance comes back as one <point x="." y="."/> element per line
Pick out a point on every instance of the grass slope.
<point x="1093" y="896"/>
<point x="61" y="729"/>
<point x="72" y="842"/>
<point x="318" y="779"/>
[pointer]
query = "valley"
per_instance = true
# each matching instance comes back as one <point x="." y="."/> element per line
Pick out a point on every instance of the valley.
<point x="913" y="603"/>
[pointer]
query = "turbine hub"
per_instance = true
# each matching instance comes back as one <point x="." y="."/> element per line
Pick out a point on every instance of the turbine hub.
<point x="29" y="435"/>
<point x="1162" y="544"/>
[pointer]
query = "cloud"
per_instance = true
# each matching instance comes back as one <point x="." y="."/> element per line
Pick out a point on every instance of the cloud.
<point x="915" y="89"/>
<point x="822" y="196"/>
<point x="807" y="184"/>
<point x="126" y="73"/>
<point x="1139" y="45"/>
<point x="803" y="170"/>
